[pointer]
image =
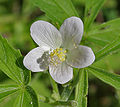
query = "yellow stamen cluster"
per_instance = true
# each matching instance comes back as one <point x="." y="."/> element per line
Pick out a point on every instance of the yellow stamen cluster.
<point x="57" y="56"/>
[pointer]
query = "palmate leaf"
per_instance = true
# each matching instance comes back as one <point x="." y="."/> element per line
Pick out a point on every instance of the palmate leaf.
<point x="9" y="100"/>
<point x="11" y="63"/>
<point x="92" y="8"/>
<point x="104" y="33"/>
<point x="26" y="98"/>
<point x="57" y="10"/>
<point x="107" y="77"/>
<point x="6" y="90"/>
<point x="82" y="89"/>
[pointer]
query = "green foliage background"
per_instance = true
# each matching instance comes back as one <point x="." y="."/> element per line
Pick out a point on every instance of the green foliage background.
<point x="21" y="88"/>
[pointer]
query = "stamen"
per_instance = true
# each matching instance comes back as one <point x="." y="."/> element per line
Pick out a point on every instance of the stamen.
<point x="57" y="56"/>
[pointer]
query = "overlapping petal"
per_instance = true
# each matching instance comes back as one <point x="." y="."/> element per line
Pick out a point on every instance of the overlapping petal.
<point x="36" y="60"/>
<point x="62" y="73"/>
<point x="80" y="57"/>
<point x="71" y="31"/>
<point x="45" y="34"/>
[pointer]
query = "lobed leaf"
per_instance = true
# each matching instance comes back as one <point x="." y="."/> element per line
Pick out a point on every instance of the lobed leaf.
<point x="6" y="90"/>
<point x="27" y="98"/>
<point x="57" y="10"/>
<point x="107" y="77"/>
<point x="11" y="63"/>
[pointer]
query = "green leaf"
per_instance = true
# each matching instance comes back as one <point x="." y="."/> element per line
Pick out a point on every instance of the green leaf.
<point x="8" y="100"/>
<point x="27" y="98"/>
<point x="97" y="41"/>
<point x="82" y="89"/>
<point x="108" y="49"/>
<point x="107" y="77"/>
<point x="11" y="63"/>
<point x="92" y="8"/>
<point x="57" y="10"/>
<point x="6" y="90"/>
<point x="104" y="33"/>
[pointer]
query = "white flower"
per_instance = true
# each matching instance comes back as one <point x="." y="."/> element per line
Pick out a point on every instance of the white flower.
<point x="58" y="50"/>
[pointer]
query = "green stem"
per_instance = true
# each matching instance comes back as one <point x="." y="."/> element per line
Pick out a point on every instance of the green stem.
<point x="56" y="94"/>
<point x="82" y="89"/>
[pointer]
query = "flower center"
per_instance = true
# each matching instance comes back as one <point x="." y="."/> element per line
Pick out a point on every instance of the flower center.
<point x="57" y="56"/>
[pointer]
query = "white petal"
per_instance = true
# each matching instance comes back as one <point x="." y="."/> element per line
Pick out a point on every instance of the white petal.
<point x="71" y="31"/>
<point x="36" y="60"/>
<point x="62" y="73"/>
<point x="80" y="57"/>
<point x="45" y="34"/>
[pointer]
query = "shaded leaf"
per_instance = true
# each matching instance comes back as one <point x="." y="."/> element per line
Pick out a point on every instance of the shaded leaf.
<point x="82" y="89"/>
<point x="6" y="90"/>
<point x="57" y="10"/>
<point x="108" y="49"/>
<point x="92" y="8"/>
<point x="11" y="63"/>
<point x="98" y="41"/>
<point x="27" y="98"/>
<point x="9" y="100"/>
<point x="107" y="77"/>
<point x="104" y="33"/>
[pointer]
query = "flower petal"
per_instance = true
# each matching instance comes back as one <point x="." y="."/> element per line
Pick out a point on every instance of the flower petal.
<point x="71" y="31"/>
<point x="36" y="60"/>
<point x="45" y="34"/>
<point x="80" y="57"/>
<point x="62" y="73"/>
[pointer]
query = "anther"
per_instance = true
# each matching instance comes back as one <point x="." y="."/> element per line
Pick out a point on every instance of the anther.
<point x="57" y="56"/>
